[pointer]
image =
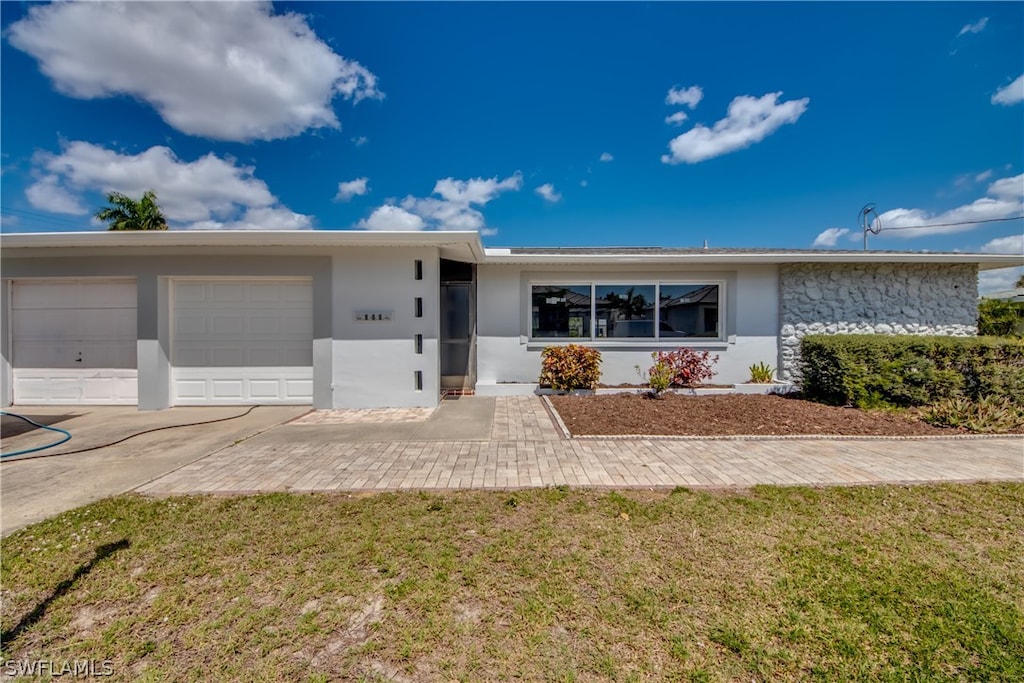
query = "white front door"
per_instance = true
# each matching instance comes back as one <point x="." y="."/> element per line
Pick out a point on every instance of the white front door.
<point x="242" y="341"/>
<point x="74" y="342"/>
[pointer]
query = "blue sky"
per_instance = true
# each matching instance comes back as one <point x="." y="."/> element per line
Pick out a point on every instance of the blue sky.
<point x="539" y="124"/>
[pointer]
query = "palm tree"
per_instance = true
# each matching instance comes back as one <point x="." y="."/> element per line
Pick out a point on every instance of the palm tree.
<point x="125" y="213"/>
<point x="631" y="305"/>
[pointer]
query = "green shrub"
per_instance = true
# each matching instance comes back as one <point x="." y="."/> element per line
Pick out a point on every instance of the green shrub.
<point x="569" y="367"/>
<point x="906" y="370"/>
<point x="659" y="376"/>
<point x="1001" y="381"/>
<point x="992" y="414"/>
<point x="761" y="373"/>
<point x="1000" y="317"/>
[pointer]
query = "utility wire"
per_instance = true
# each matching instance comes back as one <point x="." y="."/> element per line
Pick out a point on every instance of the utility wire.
<point x="27" y="218"/>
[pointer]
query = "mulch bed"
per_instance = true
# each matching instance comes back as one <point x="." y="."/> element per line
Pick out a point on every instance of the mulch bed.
<point x="730" y="415"/>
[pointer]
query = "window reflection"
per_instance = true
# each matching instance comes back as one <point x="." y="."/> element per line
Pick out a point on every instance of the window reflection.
<point x="689" y="310"/>
<point x="561" y="311"/>
<point x="624" y="310"/>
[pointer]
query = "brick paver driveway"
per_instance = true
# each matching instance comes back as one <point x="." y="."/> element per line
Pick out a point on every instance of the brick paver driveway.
<point x="526" y="449"/>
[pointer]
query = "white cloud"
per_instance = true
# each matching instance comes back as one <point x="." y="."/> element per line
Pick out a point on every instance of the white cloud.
<point x="961" y="181"/>
<point x="454" y="210"/>
<point x="547" y="191"/>
<point x="583" y="183"/>
<point x="976" y="27"/>
<point x="1014" y="244"/>
<point x="966" y="180"/>
<point x="1005" y="199"/>
<point x="390" y="217"/>
<point x="606" y="157"/>
<point x="690" y="97"/>
<point x="829" y="236"/>
<point x="439" y="214"/>
<point x="210" y="192"/>
<point x="223" y="70"/>
<point x="47" y="194"/>
<point x="999" y="280"/>
<point x="350" y="189"/>
<point x="1008" y="188"/>
<point x="259" y="218"/>
<point x="749" y="120"/>
<point x="676" y="119"/>
<point x="477" y="190"/>
<point x="360" y="140"/>
<point x="1010" y="94"/>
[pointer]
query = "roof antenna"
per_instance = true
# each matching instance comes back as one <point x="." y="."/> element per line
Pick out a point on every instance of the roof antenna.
<point x="869" y="222"/>
<point x="705" y="245"/>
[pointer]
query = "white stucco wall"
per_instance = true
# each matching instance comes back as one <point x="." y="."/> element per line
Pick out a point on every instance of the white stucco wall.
<point x="373" y="363"/>
<point x="153" y="350"/>
<point x="355" y="364"/>
<point x="153" y="275"/>
<point x="358" y="364"/>
<point x="749" y="312"/>
<point x="819" y="298"/>
<point x="6" y="379"/>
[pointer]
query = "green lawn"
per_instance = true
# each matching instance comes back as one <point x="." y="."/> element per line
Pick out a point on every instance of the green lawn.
<point x="866" y="583"/>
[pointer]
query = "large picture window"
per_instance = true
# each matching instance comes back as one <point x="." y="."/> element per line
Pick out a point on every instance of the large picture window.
<point x="561" y="311"/>
<point x="625" y="310"/>
<point x="689" y="310"/>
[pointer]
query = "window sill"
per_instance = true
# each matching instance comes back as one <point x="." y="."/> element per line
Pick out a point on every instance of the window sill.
<point x="637" y="344"/>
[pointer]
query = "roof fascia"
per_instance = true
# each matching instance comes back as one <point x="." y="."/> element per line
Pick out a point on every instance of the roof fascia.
<point x="241" y="238"/>
<point x="984" y="261"/>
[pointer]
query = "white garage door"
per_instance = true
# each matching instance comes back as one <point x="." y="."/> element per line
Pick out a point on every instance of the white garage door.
<point x="74" y="342"/>
<point x="242" y="341"/>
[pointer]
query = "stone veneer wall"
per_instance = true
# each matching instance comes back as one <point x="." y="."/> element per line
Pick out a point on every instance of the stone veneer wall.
<point x="884" y="298"/>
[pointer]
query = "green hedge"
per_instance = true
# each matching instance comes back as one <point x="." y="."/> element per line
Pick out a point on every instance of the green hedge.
<point x="1001" y="318"/>
<point x="904" y="370"/>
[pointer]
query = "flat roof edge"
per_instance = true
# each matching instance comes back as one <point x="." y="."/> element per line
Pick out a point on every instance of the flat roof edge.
<point x="228" y="237"/>
<point x="986" y="261"/>
<point x="471" y="241"/>
<point x="244" y="239"/>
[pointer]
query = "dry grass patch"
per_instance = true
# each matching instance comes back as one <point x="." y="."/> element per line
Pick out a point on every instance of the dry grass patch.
<point x="554" y="584"/>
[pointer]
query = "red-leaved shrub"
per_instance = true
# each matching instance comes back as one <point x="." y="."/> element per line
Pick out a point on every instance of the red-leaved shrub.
<point x="688" y="367"/>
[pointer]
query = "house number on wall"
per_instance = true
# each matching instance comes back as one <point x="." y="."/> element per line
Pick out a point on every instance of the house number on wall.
<point x="373" y="316"/>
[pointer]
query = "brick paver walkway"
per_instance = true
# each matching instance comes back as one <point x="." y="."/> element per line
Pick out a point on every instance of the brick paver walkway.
<point x="526" y="450"/>
<point x="522" y="418"/>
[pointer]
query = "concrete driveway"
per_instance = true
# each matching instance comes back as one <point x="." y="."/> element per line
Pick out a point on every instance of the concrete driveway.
<point x="35" y="489"/>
